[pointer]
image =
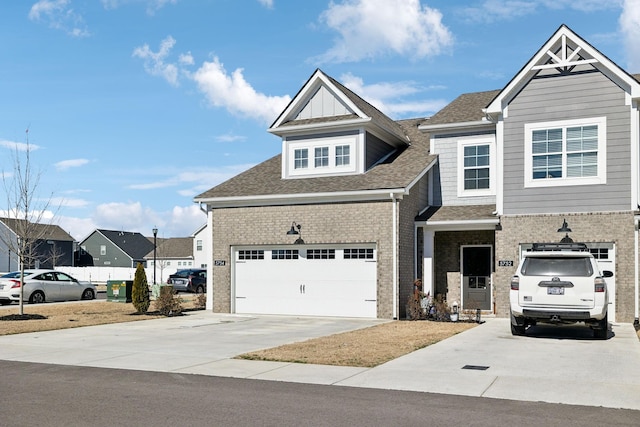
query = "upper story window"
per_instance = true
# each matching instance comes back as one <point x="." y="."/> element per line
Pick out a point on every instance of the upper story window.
<point x="322" y="157"/>
<point x="103" y="249"/>
<point x="198" y="245"/>
<point x="342" y="155"/>
<point x="568" y="152"/>
<point x="476" y="166"/>
<point x="301" y="158"/>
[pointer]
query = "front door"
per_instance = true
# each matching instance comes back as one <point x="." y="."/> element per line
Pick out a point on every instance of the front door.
<point x="476" y="277"/>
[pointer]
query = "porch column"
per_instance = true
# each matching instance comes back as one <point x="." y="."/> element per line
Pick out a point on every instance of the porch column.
<point x="427" y="262"/>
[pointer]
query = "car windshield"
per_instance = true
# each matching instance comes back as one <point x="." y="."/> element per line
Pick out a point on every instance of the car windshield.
<point x="557" y="266"/>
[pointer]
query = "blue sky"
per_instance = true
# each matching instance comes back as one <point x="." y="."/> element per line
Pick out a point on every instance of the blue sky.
<point x="133" y="107"/>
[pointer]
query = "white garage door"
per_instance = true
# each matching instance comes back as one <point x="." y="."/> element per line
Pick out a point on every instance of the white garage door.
<point x="309" y="280"/>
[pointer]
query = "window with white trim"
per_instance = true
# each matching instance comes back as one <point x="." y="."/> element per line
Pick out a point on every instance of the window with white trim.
<point x="321" y="157"/>
<point x="284" y="254"/>
<point x="198" y="245"/>
<point x="301" y="158"/>
<point x="476" y="166"/>
<point x="343" y="157"/>
<point x="568" y="152"/>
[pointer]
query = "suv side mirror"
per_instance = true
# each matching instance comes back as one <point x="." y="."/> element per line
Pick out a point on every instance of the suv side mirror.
<point x="607" y="273"/>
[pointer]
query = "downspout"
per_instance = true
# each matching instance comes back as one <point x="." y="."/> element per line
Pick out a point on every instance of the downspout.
<point x="394" y="218"/>
<point x="635" y="275"/>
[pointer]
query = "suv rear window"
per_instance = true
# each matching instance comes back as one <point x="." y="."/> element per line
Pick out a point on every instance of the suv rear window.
<point x="557" y="266"/>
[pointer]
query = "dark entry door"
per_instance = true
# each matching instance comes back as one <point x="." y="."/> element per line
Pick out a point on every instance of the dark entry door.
<point x="476" y="277"/>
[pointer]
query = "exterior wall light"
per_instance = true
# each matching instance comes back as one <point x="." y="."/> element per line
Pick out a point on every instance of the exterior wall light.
<point x="296" y="230"/>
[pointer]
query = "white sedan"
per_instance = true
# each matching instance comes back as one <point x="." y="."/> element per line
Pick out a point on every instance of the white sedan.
<point x="44" y="285"/>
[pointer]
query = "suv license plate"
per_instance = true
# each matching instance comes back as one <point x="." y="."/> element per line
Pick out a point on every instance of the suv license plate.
<point x="555" y="290"/>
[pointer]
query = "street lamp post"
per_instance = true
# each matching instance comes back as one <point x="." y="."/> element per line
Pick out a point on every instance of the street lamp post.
<point x="155" y="235"/>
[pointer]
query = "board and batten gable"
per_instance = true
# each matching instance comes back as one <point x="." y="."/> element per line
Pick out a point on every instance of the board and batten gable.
<point x="448" y="147"/>
<point x="568" y="97"/>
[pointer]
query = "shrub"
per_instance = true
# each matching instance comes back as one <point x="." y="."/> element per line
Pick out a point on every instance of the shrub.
<point x="140" y="291"/>
<point x="200" y="301"/>
<point x="168" y="303"/>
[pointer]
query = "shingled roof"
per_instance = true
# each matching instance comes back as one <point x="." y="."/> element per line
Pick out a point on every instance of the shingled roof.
<point x="173" y="247"/>
<point x="43" y="231"/>
<point x="396" y="172"/>
<point x="132" y="243"/>
<point x="465" y="108"/>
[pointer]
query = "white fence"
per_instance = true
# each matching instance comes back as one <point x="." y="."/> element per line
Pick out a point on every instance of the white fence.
<point x="100" y="275"/>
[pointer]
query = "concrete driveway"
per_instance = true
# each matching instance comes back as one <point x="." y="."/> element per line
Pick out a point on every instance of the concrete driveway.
<point x="559" y="365"/>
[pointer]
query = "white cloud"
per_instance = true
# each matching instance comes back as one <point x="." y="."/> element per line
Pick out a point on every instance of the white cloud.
<point x="71" y="163"/>
<point x="195" y="181"/>
<point x="388" y="97"/>
<point x="229" y="137"/>
<point x="154" y="62"/>
<point x="266" y="3"/>
<point x="152" y="5"/>
<point x="68" y="202"/>
<point x="371" y="28"/>
<point x="630" y="27"/>
<point x="491" y="11"/>
<point x="233" y="92"/>
<point x="60" y="16"/>
<point x="18" y="146"/>
<point x="221" y="89"/>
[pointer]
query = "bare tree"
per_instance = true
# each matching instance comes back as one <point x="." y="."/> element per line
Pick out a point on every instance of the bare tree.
<point x="55" y="254"/>
<point x="24" y="210"/>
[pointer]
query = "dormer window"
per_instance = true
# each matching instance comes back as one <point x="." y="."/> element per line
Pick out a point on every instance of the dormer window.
<point x="342" y="155"/>
<point x="322" y="157"/>
<point x="301" y="158"/>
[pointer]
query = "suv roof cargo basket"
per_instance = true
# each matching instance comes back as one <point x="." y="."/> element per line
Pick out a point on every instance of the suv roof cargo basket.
<point x="575" y="247"/>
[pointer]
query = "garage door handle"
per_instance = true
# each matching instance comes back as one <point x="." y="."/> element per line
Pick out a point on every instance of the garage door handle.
<point x="302" y="289"/>
<point x="370" y="300"/>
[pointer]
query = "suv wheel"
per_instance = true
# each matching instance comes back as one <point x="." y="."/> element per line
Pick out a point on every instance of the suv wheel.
<point x="517" y="330"/>
<point x="602" y="329"/>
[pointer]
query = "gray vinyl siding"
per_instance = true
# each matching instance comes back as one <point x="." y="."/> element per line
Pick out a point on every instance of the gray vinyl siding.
<point x="566" y="98"/>
<point x="323" y="104"/>
<point x="446" y="147"/>
<point x="376" y="150"/>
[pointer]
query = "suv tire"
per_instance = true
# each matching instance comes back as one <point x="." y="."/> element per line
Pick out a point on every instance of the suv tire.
<point x="602" y="330"/>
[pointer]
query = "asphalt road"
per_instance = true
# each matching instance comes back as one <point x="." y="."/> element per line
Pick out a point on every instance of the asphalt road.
<point x="55" y="395"/>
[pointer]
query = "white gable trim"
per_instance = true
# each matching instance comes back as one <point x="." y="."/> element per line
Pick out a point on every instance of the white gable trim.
<point x="306" y="93"/>
<point x="538" y="62"/>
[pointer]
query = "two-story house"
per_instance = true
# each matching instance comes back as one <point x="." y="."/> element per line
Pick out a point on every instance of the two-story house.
<point x="51" y="246"/>
<point x="357" y="205"/>
<point x="112" y="248"/>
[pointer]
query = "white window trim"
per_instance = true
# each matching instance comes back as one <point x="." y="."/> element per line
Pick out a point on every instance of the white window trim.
<point x="482" y="140"/>
<point x="311" y="145"/>
<point x="600" y="178"/>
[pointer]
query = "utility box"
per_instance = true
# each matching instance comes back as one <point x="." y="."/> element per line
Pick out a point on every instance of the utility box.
<point x="119" y="290"/>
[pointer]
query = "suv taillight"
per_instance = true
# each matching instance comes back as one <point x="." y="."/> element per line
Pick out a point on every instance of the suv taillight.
<point x="515" y="283"/>
<point x="600" y="284"/>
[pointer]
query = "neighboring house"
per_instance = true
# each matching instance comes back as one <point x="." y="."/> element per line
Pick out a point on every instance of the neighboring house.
<point x="171" y="254"/>
<point x="454" y="199"/>
<point x="52" y="246"/>
<point x="110" y="248"/>
<point x="201" y="242"/>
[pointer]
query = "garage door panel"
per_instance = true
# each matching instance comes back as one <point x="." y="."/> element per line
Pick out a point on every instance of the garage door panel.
<point x="306" y="286"/>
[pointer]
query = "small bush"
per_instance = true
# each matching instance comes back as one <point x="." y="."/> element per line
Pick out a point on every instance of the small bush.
<point x="168" y="303"/>
<point x="200" y="301"/>
<point x="140" y="291"/>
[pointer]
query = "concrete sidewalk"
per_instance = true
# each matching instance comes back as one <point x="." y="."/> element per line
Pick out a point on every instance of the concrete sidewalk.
<point x="559" y="367"/>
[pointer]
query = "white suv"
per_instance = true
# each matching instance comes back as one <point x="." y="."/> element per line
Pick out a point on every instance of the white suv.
<point x="559" y="283"/>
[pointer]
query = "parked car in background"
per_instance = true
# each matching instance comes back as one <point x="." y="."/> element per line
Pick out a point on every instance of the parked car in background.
<point x="44" y="286"/>
<point x="189" y="280"/>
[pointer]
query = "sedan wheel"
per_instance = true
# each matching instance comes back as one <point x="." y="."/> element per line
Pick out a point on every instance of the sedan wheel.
<point x="36" y="298"/>
<point x="88" y="294"/>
